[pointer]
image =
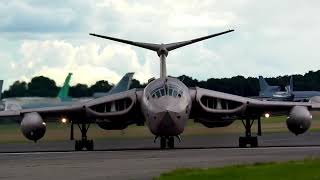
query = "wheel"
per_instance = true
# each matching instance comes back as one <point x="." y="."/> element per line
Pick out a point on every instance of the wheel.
<point x="78" y="145"/>
<point x="163" y="142"/>
<point x="242" y="142"/>
<point x="171" y="142"/>
<point x="89" y="145"/>
<point x="254" y="142"/>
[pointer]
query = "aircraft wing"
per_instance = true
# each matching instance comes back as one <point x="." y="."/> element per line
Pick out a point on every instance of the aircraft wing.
<point x="208" y="104"/>
<point x="122" y="107"/>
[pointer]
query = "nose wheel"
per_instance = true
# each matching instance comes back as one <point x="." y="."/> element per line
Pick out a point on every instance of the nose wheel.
<point x="167" y="142"/>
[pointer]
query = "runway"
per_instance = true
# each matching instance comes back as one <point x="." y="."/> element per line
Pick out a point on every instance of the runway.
<point x="141" y="159"/>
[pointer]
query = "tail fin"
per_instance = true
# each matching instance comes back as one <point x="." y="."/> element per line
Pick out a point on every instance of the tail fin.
<point x="291" y="84"/>
<point x="263" y="84"/>
<point x="64" y="91"/>
<point x="123" y="85"/>
<point x="1" y="84"/>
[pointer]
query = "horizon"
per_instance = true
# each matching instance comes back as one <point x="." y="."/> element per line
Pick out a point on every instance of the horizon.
<point x="142" y="83"/>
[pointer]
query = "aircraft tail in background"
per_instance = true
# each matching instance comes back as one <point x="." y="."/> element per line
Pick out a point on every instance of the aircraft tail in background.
<point x="266" y="89"/>
<point x="123" y="85"/>
<point x="64" y="91"/>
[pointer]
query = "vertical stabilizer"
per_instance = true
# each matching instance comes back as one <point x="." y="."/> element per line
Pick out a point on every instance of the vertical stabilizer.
<point x="265" y="89"/>
<point x="123" y="85"/>
<point x="291" y="84"/>
<point x="263" y="84"/>
<point x="64" y="91"/>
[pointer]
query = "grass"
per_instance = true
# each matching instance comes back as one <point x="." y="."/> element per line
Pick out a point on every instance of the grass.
<point x="10" y="133"/>
<point x="293" y="170"/>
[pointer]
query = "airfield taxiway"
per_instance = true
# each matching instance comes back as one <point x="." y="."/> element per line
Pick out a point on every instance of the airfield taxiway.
<point x="141" y="159"/>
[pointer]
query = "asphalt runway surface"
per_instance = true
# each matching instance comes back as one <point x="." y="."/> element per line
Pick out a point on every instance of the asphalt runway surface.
<point x="141" y="159"/>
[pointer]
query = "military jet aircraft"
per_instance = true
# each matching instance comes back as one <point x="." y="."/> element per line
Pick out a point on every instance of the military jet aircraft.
<point x="165" y="105"/>
<point x="273" y="92"/>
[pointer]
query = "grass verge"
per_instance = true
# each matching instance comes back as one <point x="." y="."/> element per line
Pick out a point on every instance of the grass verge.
<point x="306" y="169"/>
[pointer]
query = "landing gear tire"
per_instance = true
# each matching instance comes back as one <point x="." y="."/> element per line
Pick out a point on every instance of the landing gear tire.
<point x="90" y="145"/>
<point x="171" y="142"/>
<point x="78" y="145"/>
<point x="163" y="143"/>
<point x="244" y="141"/>
<point x="254" y="142"/>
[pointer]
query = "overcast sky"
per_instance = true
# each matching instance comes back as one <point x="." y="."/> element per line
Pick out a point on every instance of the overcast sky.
<point x="51" y="38"/>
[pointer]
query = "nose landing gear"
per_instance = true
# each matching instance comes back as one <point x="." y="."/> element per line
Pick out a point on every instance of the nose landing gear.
<point x="167" y="142"/>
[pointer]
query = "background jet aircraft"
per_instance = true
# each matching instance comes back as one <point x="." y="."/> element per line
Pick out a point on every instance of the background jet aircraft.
<point x="123" y="85"/>
<point x="2" y="105"/>
<point x="273" y="92"/>
<point x="63" y="98"/>
<point x="33" y="102"/>
<point x="165" y="105"/>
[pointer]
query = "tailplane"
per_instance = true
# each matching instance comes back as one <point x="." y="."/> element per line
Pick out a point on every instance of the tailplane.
<point x="64" y="91"/>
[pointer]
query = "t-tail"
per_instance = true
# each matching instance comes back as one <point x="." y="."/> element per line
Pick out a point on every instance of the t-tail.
<point x="123" y="85"/>
<point x="162" y="49"/>
<point x="64" y="91"/>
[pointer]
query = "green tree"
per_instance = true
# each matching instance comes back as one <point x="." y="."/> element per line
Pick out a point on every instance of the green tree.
<point x="79" y="90"/>
<point x="43" y="87"/>
<point x="100" y="86"/>
<point x="17" y="89"/>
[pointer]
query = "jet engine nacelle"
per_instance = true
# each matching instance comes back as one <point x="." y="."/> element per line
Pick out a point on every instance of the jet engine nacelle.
<point x="33" y="127"/>
<point x="315" y="99"/>
<point x="299" y="120"/>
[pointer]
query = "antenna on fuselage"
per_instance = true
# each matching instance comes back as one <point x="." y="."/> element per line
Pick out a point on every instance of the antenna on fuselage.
<point x="162" y="49"/>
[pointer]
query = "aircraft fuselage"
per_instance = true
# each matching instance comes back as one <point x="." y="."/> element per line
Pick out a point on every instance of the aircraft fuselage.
<point x="166" y="106"/>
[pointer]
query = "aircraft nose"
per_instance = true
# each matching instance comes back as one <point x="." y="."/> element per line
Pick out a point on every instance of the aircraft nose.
<point x="166" y="121"/>
<point x="169" y="124"/>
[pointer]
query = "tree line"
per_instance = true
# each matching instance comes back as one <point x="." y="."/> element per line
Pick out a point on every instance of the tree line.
<point x="41" y="86"/>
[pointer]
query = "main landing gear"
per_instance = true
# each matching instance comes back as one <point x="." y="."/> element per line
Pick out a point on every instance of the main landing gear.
<point x="84" y="142"/>
<point x="167" y="142"/>
<point x="248" y="139"/>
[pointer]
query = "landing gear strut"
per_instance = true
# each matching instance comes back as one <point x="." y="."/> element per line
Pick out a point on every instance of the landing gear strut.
<point x="248" y="139"/>
<point x="166" y="141"/>
<point x="84" y="142"/>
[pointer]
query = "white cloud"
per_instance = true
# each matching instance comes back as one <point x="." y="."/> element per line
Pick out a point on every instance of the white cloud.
<point x="272" y="38"/>
<point x="88" y="63"/>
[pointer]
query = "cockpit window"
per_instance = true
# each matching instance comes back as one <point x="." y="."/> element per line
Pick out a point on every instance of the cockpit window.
<point x="168" y="90"/>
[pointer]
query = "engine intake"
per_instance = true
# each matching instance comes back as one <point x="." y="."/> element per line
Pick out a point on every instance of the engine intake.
<point x="33" y="127"/>
<point x="299" y="120"/>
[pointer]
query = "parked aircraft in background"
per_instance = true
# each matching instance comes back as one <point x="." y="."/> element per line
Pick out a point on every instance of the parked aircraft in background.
<point x="123" y="85"/>
<point x="2" y="105"/>
<point x="165" y="105"/>
<point x="33" y="102"/>
<point x="268" y="92"/>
